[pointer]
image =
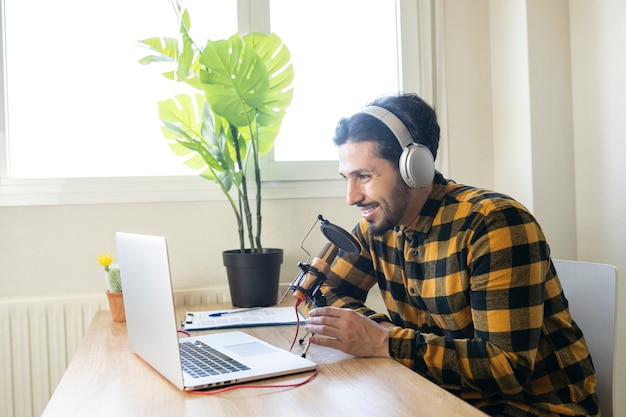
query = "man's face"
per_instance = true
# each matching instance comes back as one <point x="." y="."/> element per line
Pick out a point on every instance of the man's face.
<point x="374" y="185"/>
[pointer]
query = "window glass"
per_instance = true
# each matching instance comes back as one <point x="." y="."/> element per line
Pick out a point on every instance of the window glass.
<point x="344" y="54"/>
<point x="78" y="102"/>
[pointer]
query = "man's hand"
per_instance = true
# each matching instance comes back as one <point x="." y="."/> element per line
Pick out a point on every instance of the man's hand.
<point x="348" y="331"/>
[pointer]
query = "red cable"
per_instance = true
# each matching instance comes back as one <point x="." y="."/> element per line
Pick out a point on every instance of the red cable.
<point x="233" y="387"/>
<point x="295" y="337"/>
<point x="297" y="384"/>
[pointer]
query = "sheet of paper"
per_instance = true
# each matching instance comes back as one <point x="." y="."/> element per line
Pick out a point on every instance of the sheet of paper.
<point x="229" y="318"/>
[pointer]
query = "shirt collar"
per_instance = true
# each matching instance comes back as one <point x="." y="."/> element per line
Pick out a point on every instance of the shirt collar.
<point x="423" y="223"/>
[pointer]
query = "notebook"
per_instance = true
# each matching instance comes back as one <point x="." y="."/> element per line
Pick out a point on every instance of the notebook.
<point x="240" y="317"/>
<point x="152" y="327"/>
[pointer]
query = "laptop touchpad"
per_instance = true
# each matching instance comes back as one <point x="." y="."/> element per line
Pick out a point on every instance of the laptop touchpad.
<point x="249" y="349"/>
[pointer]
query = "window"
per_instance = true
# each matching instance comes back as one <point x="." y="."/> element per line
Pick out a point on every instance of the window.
<point x="337" y="71"/>
<point x="80" y="112"/>
<point x="79" y="104"/>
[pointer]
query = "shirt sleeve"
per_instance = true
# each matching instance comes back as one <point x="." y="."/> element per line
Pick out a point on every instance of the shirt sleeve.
<point x="350" y="279"/>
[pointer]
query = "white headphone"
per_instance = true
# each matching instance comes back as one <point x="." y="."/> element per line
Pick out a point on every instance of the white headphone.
<point x="417" y="165"/>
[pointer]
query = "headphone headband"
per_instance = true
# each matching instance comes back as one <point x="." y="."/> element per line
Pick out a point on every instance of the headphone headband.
<point x="393" y="122"/>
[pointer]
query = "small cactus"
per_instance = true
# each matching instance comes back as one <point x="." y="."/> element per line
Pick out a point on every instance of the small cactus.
<point x="114" y="280"/>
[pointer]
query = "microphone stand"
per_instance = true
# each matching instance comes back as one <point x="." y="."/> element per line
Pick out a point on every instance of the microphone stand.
<point x="316" y="297"/>
<point x="307" y="284"/>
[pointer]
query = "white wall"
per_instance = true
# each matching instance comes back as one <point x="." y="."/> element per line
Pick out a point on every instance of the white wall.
<point x="551" y="115"/>
<point x="511" y="101"/>
<point x="598" y="37"/>
<point x="54" y="250"/>
<point x="556" y="100"/>
<point x="468" y="83"/>
<point x="510" y="107"/>
<point x="532" y="113"/>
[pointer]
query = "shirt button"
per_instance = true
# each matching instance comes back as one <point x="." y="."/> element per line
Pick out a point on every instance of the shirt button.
<point x="412" y="290"/>
<point x="414" y="252"/>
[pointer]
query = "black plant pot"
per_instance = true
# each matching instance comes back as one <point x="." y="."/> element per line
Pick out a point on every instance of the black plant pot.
<point x="253" y="277"/>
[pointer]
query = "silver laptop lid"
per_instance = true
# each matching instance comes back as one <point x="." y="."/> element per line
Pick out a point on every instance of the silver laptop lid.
<point x="152" y="326"/>
<point x="149" y="303"/>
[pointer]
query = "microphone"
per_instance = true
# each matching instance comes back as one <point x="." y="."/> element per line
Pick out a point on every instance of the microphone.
<point x="312" y="276"/>
<point x="307" y="285"/>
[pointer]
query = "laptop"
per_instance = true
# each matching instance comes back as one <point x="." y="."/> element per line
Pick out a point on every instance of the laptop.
<point x="153" y="335"/>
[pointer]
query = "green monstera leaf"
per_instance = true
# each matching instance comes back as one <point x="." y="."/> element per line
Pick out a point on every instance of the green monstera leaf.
<point x="200" y="138"/>
<point x="245" y="82"/>
<point x="234" y="79"/>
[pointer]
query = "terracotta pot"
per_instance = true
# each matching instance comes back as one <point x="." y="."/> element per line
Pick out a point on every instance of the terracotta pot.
<point x="116" y="304"/>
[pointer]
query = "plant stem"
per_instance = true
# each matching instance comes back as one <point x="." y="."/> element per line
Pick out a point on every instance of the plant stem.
<point x="257" y="176"/>
<point x="243" y="195"/>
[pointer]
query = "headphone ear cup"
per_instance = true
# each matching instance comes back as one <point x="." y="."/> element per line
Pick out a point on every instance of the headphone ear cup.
<point x="417" y="166"/>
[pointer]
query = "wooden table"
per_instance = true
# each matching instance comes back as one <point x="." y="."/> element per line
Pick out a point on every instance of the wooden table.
<point x="105" y="379"/>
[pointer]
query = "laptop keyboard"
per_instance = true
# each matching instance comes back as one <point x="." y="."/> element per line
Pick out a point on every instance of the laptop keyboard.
<point x="200" y="360"/>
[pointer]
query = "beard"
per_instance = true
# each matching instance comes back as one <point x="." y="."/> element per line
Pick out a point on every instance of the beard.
<point x="393" y="210"/>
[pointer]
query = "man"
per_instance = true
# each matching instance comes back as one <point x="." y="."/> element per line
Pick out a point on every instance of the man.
<point x="474" y="301"/>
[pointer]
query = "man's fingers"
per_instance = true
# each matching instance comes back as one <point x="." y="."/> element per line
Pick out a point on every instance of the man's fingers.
<point x="322" y="328"/>
<point x="324" y="341"/>
<point x="326" y="311"/>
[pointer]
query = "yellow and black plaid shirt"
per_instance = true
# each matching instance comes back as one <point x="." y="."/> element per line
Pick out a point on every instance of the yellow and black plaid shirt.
<point x="478" y="304"/>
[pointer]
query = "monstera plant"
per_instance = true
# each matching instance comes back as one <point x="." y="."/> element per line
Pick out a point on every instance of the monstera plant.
<point x="241" y="88"/>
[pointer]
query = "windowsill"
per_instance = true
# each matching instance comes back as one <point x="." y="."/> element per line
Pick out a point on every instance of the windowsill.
<point x="147" y="190"/>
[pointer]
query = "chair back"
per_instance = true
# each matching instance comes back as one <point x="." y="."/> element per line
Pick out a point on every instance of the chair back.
<point x="591" y="289"/>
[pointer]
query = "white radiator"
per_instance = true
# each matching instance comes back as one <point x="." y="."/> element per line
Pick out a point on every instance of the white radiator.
<point x="39" y="337"/>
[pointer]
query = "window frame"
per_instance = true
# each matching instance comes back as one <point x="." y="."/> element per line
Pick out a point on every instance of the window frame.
<point x="306" y="179"/>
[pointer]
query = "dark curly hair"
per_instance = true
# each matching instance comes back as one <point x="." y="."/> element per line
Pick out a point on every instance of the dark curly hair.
<point x="418" y="116"/>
